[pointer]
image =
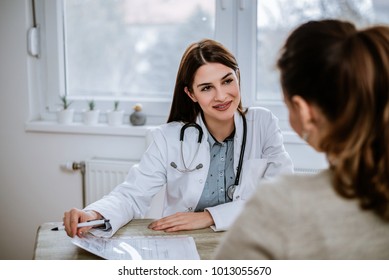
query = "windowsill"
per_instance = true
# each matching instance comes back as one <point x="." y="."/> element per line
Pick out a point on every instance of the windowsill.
<point x="80" y="128"/>
<point x="290" y="137"/>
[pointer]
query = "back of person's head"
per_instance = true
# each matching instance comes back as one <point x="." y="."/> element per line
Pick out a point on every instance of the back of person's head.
<point x="196" y="55"/>
<point x="345" y="73"/>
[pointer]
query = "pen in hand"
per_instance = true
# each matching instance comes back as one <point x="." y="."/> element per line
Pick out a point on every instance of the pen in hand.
<point x="91" y="223"/>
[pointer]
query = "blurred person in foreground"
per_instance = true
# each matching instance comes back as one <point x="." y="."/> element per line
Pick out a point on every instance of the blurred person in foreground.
<point x="335" y="81"/>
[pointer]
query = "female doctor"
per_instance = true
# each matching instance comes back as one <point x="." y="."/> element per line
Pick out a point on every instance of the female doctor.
<point x="209" y="167"/>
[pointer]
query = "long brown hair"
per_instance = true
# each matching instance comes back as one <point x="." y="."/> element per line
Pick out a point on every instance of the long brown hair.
<point x="197" y="54"/>
<point x="345" y="72"/>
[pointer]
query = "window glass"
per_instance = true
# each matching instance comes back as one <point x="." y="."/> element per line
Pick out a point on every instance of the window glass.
<point x="126" y="48"/>
<point x="276" y="18"/>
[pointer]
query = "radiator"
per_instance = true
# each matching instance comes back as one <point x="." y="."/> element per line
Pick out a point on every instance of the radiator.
<point x="103" y="174"/>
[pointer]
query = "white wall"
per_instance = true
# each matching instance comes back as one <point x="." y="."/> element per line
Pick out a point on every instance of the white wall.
<point x="33" y="188"/>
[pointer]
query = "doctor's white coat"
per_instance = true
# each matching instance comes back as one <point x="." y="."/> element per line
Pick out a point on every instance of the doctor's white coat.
<point x="264" y="157"/>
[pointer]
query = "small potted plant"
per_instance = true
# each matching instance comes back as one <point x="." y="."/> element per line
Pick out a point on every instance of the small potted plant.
<point x="115" y="117"/>
<point x="91" y="116"/>
<point x="138" y="117"/>
<point x="65" y="114"/>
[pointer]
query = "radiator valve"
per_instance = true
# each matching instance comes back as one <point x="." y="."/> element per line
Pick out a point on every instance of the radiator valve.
<point x="73" y="166"/>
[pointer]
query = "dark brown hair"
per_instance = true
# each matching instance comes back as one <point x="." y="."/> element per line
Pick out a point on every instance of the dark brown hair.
<point x="345" y="72"/>
<point x="197" y="54"/>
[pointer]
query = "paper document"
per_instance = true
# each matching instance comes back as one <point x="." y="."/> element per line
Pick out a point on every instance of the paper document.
<point x="177" y="247"/>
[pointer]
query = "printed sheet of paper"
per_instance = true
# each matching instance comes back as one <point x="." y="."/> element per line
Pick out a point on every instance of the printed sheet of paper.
<point x="177" y="247"/>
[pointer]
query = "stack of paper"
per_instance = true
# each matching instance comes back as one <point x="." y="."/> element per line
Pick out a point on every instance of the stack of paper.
<point x="177" y="247"/>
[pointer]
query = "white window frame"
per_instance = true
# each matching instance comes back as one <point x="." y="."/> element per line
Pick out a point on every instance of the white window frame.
<point x="235" y="27"/>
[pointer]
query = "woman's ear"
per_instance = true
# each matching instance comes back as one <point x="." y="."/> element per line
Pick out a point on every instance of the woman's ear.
<point x="304" y="112"/>
<point x="191" y="95"/>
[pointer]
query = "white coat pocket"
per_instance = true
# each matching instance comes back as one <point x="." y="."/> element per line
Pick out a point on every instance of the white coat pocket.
<point x="252" y="172"/>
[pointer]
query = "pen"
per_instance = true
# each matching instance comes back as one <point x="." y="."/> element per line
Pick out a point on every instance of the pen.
<point x="85" y="224"/>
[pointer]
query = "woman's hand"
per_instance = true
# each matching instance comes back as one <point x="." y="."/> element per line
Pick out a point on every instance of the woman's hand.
<point x="183" y="221"/>
<point x="75" y="216"/>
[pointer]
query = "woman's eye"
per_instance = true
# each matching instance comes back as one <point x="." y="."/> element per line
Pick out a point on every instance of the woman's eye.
<point x="206" y="88"/>
<point x="228" y="81"/>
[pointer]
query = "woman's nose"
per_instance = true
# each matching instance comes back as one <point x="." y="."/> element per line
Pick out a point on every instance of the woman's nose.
<point x="220" y="95"/>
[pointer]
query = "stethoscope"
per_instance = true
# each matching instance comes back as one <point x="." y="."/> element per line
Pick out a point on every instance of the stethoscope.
<point x="186" y="169"/>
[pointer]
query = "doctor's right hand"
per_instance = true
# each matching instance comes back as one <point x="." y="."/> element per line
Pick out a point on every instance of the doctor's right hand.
<point x="75" y="216"/>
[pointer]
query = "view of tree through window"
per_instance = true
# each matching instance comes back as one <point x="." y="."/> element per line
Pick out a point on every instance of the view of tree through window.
<point x="124" y="48"/>
<point x="276" y="18"/>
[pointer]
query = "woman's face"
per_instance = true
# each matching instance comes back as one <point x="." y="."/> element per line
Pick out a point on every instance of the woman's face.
<point x="216" y="89"/>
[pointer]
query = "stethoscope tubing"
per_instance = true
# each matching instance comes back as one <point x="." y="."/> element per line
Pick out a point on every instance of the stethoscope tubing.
<point x="231" y="188"/>
<point x="242" y="150"/>
<point x="195" y="125"/>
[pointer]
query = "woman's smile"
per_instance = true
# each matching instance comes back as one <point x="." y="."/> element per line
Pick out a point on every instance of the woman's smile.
<point x="223" y="106"/>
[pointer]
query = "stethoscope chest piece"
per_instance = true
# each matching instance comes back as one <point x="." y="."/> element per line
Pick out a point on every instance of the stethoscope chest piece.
<point x="230" y="191"/>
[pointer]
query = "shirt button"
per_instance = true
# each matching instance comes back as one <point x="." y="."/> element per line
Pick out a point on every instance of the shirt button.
<point x="190" y="209"/>
<point x="201" y="181"/>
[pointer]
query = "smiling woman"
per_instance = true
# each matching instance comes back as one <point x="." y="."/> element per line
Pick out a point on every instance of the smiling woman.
<point x="228" y="153"/>
<point x="216" y="90"/>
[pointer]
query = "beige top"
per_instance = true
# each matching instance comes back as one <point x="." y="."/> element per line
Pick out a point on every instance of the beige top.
<point x="302" y="217"/>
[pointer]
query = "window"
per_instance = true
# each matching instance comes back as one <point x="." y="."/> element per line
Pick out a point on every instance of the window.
<point x="129" y="50"/>
<point x="276" y="19"/>
<point x="117" y="50"/>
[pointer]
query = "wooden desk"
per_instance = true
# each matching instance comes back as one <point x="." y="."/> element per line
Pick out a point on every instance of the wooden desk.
<point x="56" y="245"/>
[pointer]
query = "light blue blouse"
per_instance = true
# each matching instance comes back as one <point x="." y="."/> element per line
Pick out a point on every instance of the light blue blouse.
<point x="220" y="174"/>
